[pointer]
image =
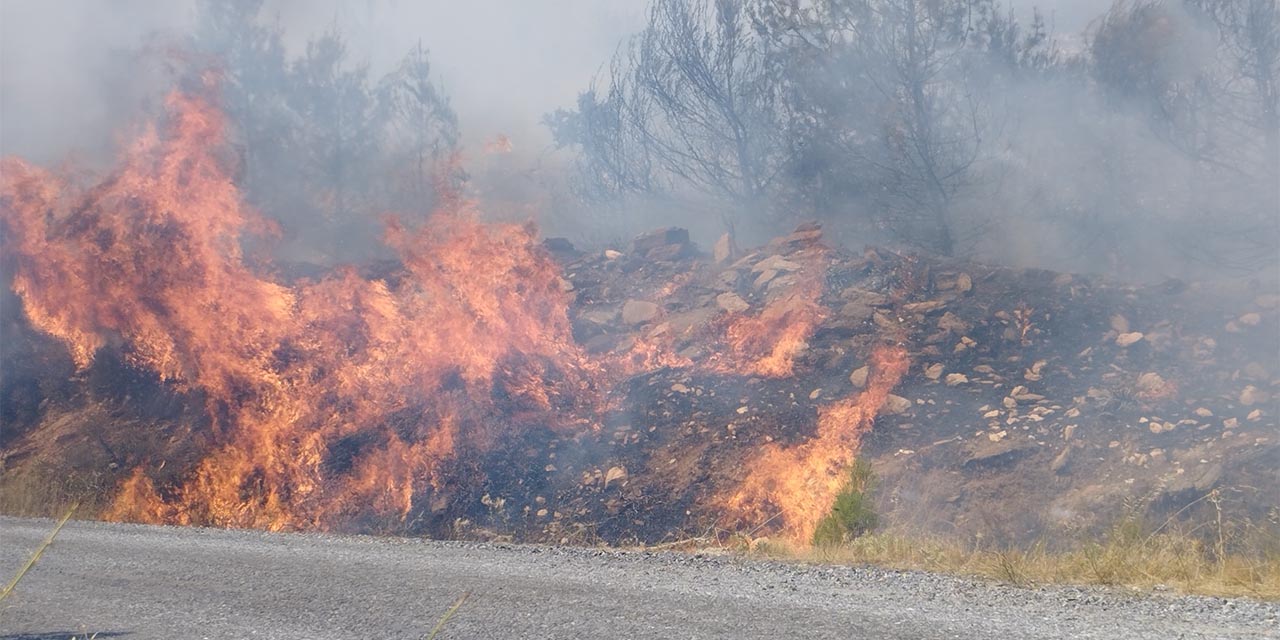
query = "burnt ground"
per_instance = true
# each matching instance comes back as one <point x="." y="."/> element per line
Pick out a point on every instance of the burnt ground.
<point x="1037" y="404"/>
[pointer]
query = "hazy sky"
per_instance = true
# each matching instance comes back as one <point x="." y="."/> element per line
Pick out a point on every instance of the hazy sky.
<point x="63" y="84"/>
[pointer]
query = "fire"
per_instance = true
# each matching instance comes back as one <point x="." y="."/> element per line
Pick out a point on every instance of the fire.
<point x="797" y="486"/>
<point x="354" y="402"/>
<point x="768" y="343"/>
<point x="333" y="401"/>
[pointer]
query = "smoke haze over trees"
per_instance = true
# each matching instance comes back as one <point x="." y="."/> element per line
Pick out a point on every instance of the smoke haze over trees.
<point x="1145" y="146"/>
<point x="1138" y="139"/>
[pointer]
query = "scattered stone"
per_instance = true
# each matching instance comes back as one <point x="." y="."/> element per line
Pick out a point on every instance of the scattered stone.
<point x="934" y="371"/>
<point x="896" y="405"/>
<point x="679" y="388"/>
<point x="615" y="474"/>
<point x="954" y="379"/>
<point x="1129" y="339"/>
<point x="1194" y="484"/>
<point x="775" y="263"/>
<point x="561" y="247"/>
<point x="732" y="302"/>
<point x="813" y="395"/>
<point x="964" y="284"/>
<point x="1062" y="462"/>
<point x="857" y="311"/>
<point x="1119" y="324"/>
<point x="611" y="254"/>
<point x="636" y="312"/>
<point x="723" y="249"/>
<point x="646" y="242"/>
<point x="1251" y="319"/>
<point x="1204" y="413"/>
<point x="765" y="277"/>
<point x="1002" y="453"/>
<point x="859" y="377"/>
<point x="1268" y="300"/>
<point x="951" y="322"/>
<point x="1251" y="396"/>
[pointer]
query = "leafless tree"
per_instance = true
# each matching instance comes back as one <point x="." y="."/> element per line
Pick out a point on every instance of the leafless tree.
<point x="691" y="105"/>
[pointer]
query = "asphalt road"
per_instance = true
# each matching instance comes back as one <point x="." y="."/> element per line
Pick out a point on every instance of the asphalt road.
<point x="133" y="582"/>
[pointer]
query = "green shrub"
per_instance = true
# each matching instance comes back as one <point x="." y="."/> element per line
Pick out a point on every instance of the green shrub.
<point x="852" y="515"/>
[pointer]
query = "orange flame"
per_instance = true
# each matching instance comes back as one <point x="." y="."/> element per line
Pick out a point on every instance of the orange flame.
<point x="335" y="400"/>
<point x="801" y="482"/>
<point x="768" y="343"/>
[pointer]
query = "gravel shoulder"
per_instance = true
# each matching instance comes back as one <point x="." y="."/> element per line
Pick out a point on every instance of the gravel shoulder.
<point x="133" y="581"/>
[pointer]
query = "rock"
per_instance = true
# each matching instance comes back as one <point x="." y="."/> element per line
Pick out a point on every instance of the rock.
<point x="1069" y="432"/>
<point x="636" y="312"/>
<point x="815" y="394"/>
<point x="1204" y="413"/>
<point x="954" y="379"/>
<point x="670" y="252"/>
<point x="1193" y="484"/>
<point x="1119" y="324"/>
<point x="611" y="254"/>
<point x="1062" y="462"/>
<point x="646" y="242"/>
<point x="1128" y="339"/>
<point x="895" y="405"/>
<point x="1251" y="396"/>
<point x="859" y="377"/>
<point x="600" y="317"/>
<point x="561" y="247"/>
<point x="804" y="234"/>
<point x="732" y="302"/>
<point x="925" y="307"/>
<point x="988" y="455"/>
<point x="934" y="371"/>
<point x="1251" y="319"/>
<point x="869" y="298"/>
<point x="679" y="388"/>
<point x="615" y="474"/>
<point x="775" y="263"/>
<point x="1268" y="300"/>
<point x="1150" y="385"/>
<point x="951" y="322"/>
<point x="964" y="283"/>
<point x="723" y="249"/>
<point x="764" y="278"/>
<point x="857" y="311"/>
<point x="1255" y="371"/>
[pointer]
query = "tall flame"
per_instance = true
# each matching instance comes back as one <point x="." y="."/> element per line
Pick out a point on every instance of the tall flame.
<point x="798" y="485"/>
<point x="339" y="399"/>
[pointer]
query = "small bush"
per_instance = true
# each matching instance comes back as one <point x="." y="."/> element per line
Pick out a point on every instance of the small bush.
<point x="852" y="515"/>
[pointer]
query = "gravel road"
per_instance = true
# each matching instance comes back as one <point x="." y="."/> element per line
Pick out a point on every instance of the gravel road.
<point x="136" y="582"/>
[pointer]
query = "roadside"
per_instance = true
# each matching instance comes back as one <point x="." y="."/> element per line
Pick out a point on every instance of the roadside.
<point x="161" y="582"/>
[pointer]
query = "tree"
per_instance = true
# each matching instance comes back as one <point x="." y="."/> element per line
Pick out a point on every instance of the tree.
<point x="420" y="130"/>
<point x="691" y="106"/>
<point x="891" y="100"/>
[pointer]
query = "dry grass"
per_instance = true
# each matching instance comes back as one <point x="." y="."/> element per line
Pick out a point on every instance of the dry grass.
<point x="45" y="493"/>
<point x="1128" y="556"/>
<point x="35" y="556"/>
